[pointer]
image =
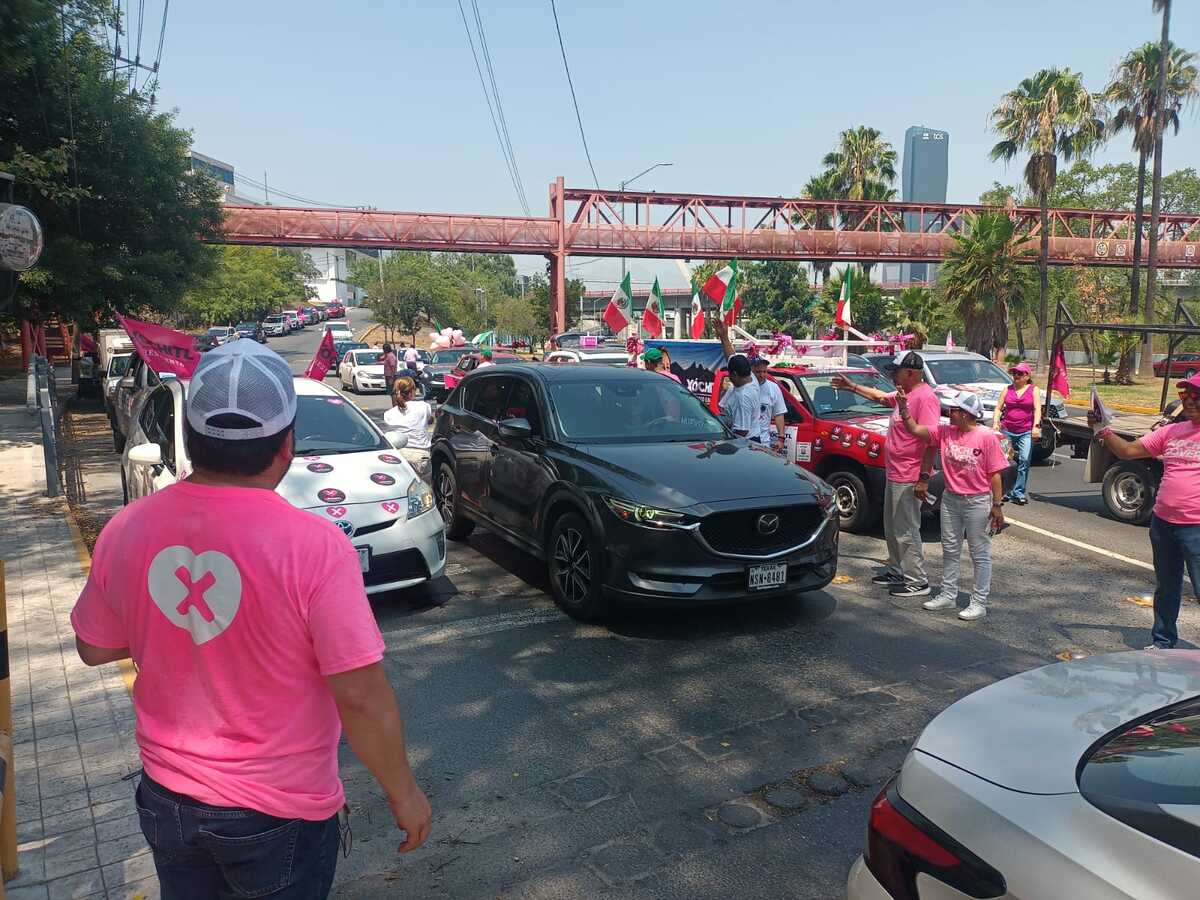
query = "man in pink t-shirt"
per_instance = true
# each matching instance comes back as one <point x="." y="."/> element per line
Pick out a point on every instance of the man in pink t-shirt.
<point x="904" y="575"/>
<point x="1175" y="524"/>
<point x="255" y="648"/>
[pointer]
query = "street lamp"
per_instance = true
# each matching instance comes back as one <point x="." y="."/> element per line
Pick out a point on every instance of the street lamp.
<point x="629" y="181"/>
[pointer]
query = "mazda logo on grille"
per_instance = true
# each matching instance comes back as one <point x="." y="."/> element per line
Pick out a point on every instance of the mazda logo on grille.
<point x="768" y="523"/>
<point x="347" y="528"/>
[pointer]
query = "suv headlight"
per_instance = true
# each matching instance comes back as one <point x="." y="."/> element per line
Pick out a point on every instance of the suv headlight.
<point x="420" y="498"/>
<point x="647" y="516"/>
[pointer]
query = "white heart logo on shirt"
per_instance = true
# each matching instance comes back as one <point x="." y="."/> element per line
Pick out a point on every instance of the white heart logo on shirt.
<point x="198" y="592"/>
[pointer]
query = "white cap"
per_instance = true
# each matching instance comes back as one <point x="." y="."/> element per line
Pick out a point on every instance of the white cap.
<point x="968" y="402"/>
<point x="246" y="379"/>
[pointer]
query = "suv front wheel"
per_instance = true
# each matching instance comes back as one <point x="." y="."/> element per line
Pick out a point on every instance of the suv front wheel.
<point x="445" y="489"/>
<point x="573" y="556"/>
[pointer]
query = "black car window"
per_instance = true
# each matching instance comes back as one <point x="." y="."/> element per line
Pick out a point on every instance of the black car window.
<point x="158" y="423"/>
<point x="522" y="404"/>
<point x="1140" y="773"/>
<point x="649" y="409"/>
<point x="487" y="399"/>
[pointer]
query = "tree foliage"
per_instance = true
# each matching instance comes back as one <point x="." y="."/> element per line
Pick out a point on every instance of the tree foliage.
<point x="245" y="284"/>
<point x="868" y="304"/>
<point x="103" y="170"/>
<point x="413" y="292"/>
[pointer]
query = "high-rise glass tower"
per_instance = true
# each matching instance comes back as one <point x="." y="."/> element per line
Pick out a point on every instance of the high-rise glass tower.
<point x="925" y="170"/>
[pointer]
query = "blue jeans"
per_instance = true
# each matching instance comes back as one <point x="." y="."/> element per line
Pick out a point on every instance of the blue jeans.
<point x="1174" y="546"/>
<point x="1023" y="444"/>
<point x="204" y="852"/>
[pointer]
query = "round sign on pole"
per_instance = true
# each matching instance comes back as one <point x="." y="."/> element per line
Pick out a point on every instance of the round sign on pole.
<point x="20" y="238"/>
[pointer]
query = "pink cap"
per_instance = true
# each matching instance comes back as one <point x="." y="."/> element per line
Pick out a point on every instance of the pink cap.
<point x="1193" y="382"/>
<point x="1022" y="367"/>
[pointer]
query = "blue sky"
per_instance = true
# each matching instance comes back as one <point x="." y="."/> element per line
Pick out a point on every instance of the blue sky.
<point x="379" y="103"/>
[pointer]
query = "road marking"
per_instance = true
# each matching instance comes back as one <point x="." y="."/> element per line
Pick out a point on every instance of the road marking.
<point x="409" y="638"/>
<point x="1067" y="458"/>
<point x="1080" y="544"/>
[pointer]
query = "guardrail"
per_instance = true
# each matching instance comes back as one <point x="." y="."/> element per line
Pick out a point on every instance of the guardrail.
<point x="46" y="395"/>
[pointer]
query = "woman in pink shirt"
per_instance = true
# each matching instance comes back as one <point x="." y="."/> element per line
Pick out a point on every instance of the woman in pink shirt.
<point x="972" y="463"/>
<point x="1175" y="525"/>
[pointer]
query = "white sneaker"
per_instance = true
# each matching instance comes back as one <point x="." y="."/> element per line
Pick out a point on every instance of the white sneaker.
<point x="972" y="612"/>
<point x="940" y="602"/>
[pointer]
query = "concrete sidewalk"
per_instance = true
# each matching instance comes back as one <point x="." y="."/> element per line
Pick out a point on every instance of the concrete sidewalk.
<point x="74" y="753"/>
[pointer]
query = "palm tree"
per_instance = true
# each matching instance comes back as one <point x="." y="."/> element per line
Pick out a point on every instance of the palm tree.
<point x="1163" y="6"/>
<point x="826" y="186"/>
<point x="1133" y="94"/>
<point x="982" y="277"/>
<point x="915" y="312"/>
<point x="1048" y="115"/>
<point x="862" y="156"/>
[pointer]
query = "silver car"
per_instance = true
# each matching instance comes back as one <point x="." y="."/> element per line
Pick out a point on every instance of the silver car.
<point x="1076" y="780"/>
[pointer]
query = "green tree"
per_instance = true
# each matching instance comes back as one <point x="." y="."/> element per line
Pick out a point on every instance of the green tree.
<point x="862" y="159"/>
<point x="826" y="186"/>
<point x="915" y="311"/>
<point x="1046" y="116"/>
<point x="244" y="284"/>
<point x="868" y="304"/>
<point x="516" y="317"/>
<point x="104" y="171"/>
<point x="980" y="277"/>
<point x="1133" y="92"/>
<point x="413" y="291"/>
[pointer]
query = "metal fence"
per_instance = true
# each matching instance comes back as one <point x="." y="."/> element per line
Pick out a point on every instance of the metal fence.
<point x="42" y="393"/>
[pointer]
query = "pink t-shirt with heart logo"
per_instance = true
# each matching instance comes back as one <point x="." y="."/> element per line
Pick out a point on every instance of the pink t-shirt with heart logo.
<point x="235" y="606"/>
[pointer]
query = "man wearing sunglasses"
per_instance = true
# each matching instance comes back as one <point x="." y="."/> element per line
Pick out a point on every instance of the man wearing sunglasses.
<point x="1175" y="525"/>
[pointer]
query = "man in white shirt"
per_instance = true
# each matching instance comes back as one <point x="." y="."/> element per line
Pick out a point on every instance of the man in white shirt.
<point x="741" y="402"/>
<point x="411" y="358"/>
<point x="772" y="406"/>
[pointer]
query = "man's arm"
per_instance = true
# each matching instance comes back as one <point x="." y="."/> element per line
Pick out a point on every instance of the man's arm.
<point x="98" y="656"/>
<point x="371" y="720"/>
<point x="1037" y="412"/>
<point x="911" y="425"/>
<point x="842" y="383"/>
<point x="999" y="409"/>
<point x="722" y="331"/>
<point x="922" y="488"/>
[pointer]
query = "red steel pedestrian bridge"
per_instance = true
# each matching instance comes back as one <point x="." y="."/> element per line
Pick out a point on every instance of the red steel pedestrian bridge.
<point x="586" y="222"/>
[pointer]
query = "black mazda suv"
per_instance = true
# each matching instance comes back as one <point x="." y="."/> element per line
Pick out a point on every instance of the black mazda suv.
<point x="628" y="488"/>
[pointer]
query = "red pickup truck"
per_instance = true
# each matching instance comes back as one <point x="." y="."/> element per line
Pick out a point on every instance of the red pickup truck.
<point x="839" y="436"/>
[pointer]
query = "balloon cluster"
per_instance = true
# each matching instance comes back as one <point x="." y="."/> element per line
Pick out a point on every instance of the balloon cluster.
<point x="446" y="338"/>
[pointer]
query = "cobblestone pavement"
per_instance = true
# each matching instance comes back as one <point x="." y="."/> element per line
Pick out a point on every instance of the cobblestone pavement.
<point x="74" y="753"/>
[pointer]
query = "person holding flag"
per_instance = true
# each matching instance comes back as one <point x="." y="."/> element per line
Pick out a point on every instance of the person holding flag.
<point x="323" y="360"/>
<point x="619" y="312"/>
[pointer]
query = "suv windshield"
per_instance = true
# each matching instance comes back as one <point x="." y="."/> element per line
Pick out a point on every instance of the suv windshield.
<point x="647" y="410"/>
<point x="450" y="357"/>
<point x="828" y="402"/>
<point x="328" y="424"/>
<point x="119" y="365"/>
<point x="966" y="371"/>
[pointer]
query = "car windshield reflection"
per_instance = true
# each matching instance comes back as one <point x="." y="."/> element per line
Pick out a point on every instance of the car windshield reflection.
<point x="966" y="371"/>
<point x="328" y="424"/>
<point x="829" y="402"/>
<point x="650" y="410"/>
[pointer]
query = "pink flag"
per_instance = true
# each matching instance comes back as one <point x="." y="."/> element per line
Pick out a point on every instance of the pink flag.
<point x="323" y="359"/>
<point x="163" y="349"/>
<point x="1058" y="371"/>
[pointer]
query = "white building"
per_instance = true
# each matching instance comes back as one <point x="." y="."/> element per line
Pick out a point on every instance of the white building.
<point x="334" y="265"/>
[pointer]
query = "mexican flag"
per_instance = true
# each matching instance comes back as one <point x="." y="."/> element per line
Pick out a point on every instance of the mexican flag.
<point x="697" y="316"/>
<point x="842" y="317"/>
<point x="652" y="318"/>
<point x="722" y="289"/>
<point x="619" y="311"/>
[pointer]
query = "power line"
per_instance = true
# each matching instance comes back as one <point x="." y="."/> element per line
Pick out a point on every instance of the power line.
<point x="487" y="58"/>
<point x="290" y="196"/>
<point x="571" y="85"/>
<point x="508" y="163"/>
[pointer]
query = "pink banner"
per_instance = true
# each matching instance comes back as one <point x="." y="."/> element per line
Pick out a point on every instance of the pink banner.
<point x="163" y="349"/>
<point x="1058" y="372"/>
<point x="324" y="359"/>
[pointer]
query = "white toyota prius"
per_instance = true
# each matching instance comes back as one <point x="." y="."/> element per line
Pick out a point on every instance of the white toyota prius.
<point x="345" y="469"/>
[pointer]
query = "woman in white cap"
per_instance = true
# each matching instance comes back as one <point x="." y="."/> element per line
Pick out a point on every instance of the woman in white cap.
<point x="972" y="463"/>
<point x="1019" y="416"/>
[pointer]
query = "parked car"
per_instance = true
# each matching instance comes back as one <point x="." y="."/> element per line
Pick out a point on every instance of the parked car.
<point x="341" y="347"/>
<point x="468" y="362"/>
<point x="118" y="365"/>
<point x="1183" y="365"/>
<point x="341" y="330"/>
<point x="345" y="470"/>
<point x="628" y="488"/>
<point x="362" y="370"/>
<point x="433" y="376"/>
<point x="602" y="356"/>
<point x="276" y="326"/>
<point x="1074" y="780"/>
<point x="221" y="334"/>
<point x="569" y="339"/>
<point x="137" y="381"/>
<point x="252" y="330"/>
<point x="337" y="311"/>
<point x="293" y="321"/>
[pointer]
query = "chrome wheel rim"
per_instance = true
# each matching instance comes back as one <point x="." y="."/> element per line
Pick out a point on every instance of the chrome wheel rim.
<point x="446" y="496"/>
<point x="572" y="566"/>
<point x="846" y="500"/>
<point x="1129" y="492"/>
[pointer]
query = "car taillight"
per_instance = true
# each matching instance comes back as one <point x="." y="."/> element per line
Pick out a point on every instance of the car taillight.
<point x="901" y="843"/>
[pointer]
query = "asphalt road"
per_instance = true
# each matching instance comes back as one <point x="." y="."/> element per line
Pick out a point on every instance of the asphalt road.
<point x="700" y="753"/>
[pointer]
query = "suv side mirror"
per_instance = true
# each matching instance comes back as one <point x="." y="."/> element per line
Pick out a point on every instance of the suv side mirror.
<point x="146" y="455"/>
<point x="516" y="429"/>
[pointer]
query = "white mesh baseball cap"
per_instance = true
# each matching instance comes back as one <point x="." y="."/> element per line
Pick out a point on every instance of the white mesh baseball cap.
<point x="243" y="378"/>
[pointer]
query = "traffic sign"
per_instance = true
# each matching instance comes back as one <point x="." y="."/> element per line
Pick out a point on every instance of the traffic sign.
<point x="20" y="238"/>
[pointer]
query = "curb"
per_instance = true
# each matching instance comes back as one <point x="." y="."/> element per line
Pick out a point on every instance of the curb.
<point x="1125" y="407"/>
<point x="126" y="666"/>
<point x="367" y="331"/>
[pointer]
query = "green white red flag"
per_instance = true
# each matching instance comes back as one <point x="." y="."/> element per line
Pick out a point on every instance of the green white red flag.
<point x="722" y="289"/>
<point x="697" y="316"/>
<point x="652" y="318"/>
<point x="842" y="317"/>
<point x="619" y="312"/>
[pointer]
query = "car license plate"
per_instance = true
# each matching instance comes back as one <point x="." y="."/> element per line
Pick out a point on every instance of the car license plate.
<point x="769" y="576"/>
<point x="364" y="558"/>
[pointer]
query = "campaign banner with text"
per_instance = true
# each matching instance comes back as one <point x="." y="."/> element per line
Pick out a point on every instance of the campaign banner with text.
<point x="164" y="349"/>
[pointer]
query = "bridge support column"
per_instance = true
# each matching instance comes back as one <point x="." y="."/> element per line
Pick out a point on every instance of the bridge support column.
<point x="558" y="260"/>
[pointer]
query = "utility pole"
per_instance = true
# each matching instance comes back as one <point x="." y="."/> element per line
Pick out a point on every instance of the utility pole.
<point x="628" y="181"/>
<point x="266" y="192"/>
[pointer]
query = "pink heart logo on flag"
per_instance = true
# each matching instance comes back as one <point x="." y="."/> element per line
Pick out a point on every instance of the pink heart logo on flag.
<point x="391" y="506"/>
<point x="336" y="511"/>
